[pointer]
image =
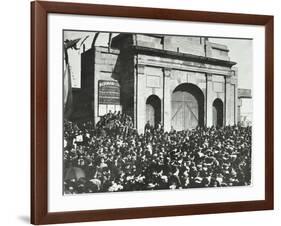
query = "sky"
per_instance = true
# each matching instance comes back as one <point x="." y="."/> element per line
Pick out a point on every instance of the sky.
<point x="240" y="51"/>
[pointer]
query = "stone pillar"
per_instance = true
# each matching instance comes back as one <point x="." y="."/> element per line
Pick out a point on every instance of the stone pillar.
<point x="209" y="101"/>
<point x="239" y="104"/>
<point x="140" y="99"/>
<point x="228" y="101"/>
<point x="235" y="117"/>
<point x="236" y="103"/>
<point x="135" y="91"/>
<point x="167" y="104"/>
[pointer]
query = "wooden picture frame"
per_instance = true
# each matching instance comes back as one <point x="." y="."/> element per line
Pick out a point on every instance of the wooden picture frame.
<point x="39" y="109"/>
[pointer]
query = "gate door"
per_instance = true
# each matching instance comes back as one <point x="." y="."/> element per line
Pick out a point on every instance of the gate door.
<point x="184" y="111"/>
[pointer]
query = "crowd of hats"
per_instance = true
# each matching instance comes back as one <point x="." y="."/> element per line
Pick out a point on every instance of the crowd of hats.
<point x="115" y="123"/>
<point x="112" y="156"/>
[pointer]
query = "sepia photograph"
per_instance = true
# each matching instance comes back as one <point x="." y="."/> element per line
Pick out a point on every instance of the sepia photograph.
<point x="155" y="112"/>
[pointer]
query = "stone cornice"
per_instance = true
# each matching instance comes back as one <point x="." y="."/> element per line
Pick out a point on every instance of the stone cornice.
<point x="184" y="56"/>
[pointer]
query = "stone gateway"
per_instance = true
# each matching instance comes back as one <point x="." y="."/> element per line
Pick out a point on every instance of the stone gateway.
<point x="178" y="81"/>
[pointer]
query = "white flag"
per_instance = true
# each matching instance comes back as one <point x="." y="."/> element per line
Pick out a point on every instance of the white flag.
<point x="67" y="99"/>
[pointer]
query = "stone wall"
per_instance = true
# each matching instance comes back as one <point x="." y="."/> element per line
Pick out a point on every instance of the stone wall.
<point x="142" y="74"/>
<point x="149" y="82"/>
<point x="217" y="51"/>
<point x="127" y="82"/>
<point x="188" y="45"/>
<point x="158" y="75"/>
<point x="107" y="67"/>
<point x="99" y="63"/>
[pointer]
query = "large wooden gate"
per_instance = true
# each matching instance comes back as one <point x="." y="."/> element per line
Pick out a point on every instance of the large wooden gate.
<point x="187" y="107"/>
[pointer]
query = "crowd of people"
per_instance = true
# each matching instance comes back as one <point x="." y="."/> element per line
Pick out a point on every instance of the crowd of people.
<point x="112" y="156"/>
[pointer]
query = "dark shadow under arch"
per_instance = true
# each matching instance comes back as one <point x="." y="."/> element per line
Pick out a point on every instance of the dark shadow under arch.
<point x="153" y="110"/>
<point x="218" y="113"/>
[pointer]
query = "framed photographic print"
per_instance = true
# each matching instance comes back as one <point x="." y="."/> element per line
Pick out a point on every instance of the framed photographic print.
<point x="146" y="112"/>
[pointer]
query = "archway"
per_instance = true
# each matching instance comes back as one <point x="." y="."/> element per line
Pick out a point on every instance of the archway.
<point x="218" y="113"/>
<point x="187" y="107"/>
<point x="153" y="110"/>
